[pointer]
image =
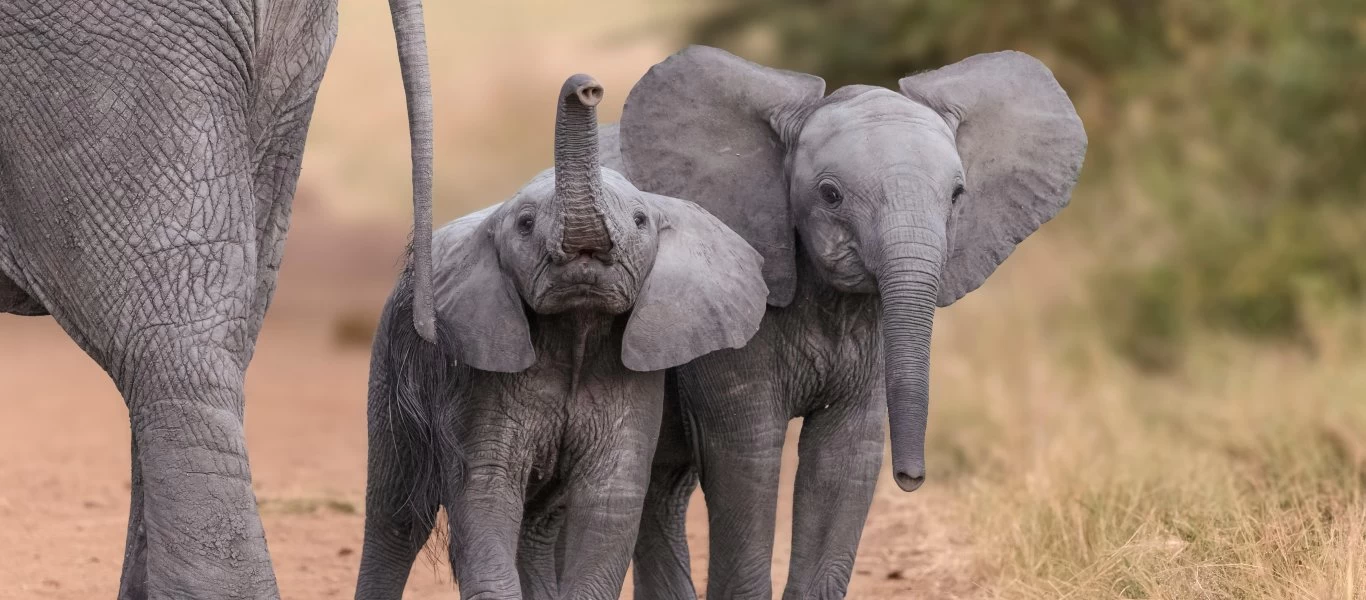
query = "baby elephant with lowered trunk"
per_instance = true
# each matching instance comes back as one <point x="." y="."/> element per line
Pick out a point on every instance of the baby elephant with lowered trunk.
<point x="534" y="418"/>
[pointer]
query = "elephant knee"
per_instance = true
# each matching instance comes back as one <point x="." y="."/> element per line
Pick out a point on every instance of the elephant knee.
<point x="172" y="364"/>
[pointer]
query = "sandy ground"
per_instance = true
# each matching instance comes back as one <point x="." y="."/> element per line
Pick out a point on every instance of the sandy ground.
<point x="64" y="443"/>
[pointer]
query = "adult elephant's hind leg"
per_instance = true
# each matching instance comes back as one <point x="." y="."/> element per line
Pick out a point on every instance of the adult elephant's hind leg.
<point x="134" y="200"/>
<point x="203" y="535"/>
<point x="840" y="454"/>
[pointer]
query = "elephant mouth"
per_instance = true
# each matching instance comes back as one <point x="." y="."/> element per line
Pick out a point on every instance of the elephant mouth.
<point x="586" y="285"/>
<point x="845" y="270"/>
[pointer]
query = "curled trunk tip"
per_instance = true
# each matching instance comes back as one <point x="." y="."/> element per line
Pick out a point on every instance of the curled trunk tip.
<point x="584" y="88"/>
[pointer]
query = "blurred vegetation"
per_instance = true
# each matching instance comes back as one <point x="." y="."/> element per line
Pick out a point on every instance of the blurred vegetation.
<point x="1223" y="186"/>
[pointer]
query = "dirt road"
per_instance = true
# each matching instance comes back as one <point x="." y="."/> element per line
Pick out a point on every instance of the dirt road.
<point x="64" y="462"/>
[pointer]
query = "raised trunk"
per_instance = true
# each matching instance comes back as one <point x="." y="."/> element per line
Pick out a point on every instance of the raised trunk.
<point x="578" y="178"/>
<point x="909" y="285"/>
<point x="417" y="88"/>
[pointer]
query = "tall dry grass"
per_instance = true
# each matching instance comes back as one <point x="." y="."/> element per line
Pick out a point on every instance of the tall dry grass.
<point x="1243" y="476"/>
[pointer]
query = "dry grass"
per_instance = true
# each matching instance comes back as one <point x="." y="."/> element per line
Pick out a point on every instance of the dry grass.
<point x="1243" y="477"/>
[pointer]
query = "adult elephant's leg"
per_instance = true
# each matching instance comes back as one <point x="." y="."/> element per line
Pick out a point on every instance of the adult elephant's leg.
<point x="295" y="50"/>
<point x="741" y="426"/>
<point x="663" y="568"/>
<point x="130" y="193"/>
<point x="840" y="454"/>
<point x="184" y="390"/>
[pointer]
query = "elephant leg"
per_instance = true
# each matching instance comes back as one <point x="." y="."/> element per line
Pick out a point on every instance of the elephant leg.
<point x="132" y="206"/>
<point x="485" y="515"/>
<point x="133" y="582"/>
<point x="203" y="535"/>
<point x="602" y="520"/>
<point x="295" y="52"/>
<point x="740" y="432"/>
<point x="663" y="567"/>
<point x="538" y="556"/>
<point x="402" y="485"/>
<point x="840" y="454"/>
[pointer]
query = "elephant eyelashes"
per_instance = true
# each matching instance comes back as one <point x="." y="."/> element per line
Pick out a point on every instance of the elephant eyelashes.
<point x="957" y="191"/>
<point x="831" y="194"/>
<point x="640" y="219"/>
<point x="525" y="224"/>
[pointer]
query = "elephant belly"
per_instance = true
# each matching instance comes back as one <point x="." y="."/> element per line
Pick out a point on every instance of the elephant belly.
<point x="14" y="300"/>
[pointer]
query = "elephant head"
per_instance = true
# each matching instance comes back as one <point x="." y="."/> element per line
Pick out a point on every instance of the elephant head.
<point x="916" y="196"/>
<point x="581" y="238"/>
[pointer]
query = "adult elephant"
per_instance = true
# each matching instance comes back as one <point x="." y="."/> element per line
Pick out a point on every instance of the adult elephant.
<point x="149" y="152"/>
<point x="870" y="207"/>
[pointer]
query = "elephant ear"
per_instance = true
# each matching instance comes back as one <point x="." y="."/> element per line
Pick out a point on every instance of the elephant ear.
<point x="708" y="126"/>
<point x="704" y="292"/>
<point x="476" y="300"/>
<point x="1022" y="145"/>
<point x="609" y="147"/>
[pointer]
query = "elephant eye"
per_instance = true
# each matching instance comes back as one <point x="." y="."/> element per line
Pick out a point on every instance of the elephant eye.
<point x="525" y="224"/>
<point x="957" y="191"/>
<point x="830" y="193"/>
<point x="640" y="219"/>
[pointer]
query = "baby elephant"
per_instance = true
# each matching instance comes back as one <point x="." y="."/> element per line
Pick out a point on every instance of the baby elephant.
<point x="534" y="418"/>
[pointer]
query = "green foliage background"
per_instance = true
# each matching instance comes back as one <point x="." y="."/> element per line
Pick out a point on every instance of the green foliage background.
<point x="1223" y="186"/>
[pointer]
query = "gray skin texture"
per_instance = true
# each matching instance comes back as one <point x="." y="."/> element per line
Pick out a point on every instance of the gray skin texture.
<point x="533" y="420"/>
<point x="871" y="208"/>
<point x="148" y="157"/>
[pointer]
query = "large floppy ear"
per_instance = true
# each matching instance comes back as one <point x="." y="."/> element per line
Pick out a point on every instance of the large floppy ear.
<point x="609" y="147"/>
<point x="476" y="300"/>
<point x="704" y="292"/>
<point x="710" y="127"/>
<point x="1022" y="145"/>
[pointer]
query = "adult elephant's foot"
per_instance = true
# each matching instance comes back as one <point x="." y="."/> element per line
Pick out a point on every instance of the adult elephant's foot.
<point x="203" y="535"/>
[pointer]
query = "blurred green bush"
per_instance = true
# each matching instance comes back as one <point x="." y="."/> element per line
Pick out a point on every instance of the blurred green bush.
<point x="1223" y="185"/>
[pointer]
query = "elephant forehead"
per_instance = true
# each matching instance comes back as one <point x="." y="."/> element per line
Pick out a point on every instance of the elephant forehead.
<point x="539" y="190"/>
<point x="873" y="114"/>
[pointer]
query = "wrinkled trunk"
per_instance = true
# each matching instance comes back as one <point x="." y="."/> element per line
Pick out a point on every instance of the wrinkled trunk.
<point x="908" y="281"/>
<point x="578" y="179"/>
<point x="417" y="87"/>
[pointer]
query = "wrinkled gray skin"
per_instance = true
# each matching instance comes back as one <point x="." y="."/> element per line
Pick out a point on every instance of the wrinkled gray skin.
<point x="148" y="157"/>
<point x="871" y="208"/>
<point x="533" y="420"/>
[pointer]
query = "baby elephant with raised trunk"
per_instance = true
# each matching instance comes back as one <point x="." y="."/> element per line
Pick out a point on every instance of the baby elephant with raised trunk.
<point x="534" y="419"/>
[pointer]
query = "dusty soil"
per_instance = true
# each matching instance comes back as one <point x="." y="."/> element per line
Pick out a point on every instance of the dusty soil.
<point x="64" y="443"/>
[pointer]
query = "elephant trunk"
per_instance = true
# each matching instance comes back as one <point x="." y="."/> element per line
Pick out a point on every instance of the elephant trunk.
<point x="578" y="175"/>
<point x="417" y="87"/>
<point x="908" y="281"/>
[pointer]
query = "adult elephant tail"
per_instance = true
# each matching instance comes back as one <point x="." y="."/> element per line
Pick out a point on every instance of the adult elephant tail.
<point x="417" y="88"/>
